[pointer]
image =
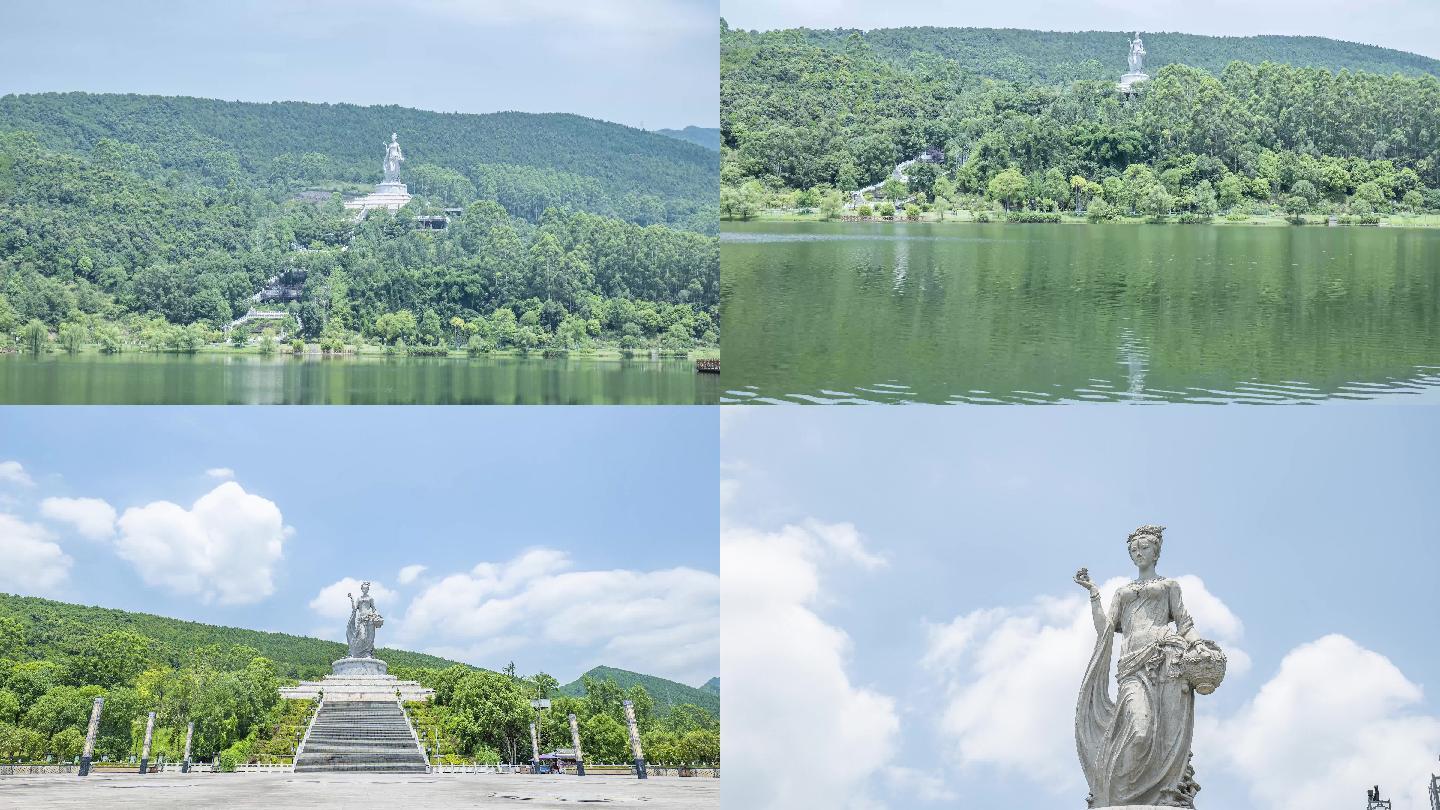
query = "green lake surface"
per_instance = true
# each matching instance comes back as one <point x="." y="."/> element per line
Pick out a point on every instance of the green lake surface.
<point x="236" y="379"/>
<point x="1007" y="313"/>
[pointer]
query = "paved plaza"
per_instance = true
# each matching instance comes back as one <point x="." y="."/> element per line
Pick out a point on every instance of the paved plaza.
<point x="287" y="790"/>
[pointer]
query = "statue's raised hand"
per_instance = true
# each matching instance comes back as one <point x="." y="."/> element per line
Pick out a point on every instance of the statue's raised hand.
<point x="1082" y="578"/>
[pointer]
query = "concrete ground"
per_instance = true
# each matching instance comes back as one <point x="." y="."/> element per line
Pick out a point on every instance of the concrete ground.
<point x="287" y="790"/>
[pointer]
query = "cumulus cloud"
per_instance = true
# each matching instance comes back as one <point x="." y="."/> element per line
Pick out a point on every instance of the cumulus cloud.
<point x="92" y="518"/>
<point x="11" y="472"/>
<point x="665" y="622"/>
<point x="224" y="473"/>
<point x="785" y="667"/>
<point x="410" y="573"/>
<point x="1333" y="720"/>
<point x="223" y="548"/>
<point x="1008" y="673"/>
<point x="34" y="563"/>
<point x="332" y="603"/>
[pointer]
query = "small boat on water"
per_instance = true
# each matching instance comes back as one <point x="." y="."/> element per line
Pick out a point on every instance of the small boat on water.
<point x="708" y="366"/>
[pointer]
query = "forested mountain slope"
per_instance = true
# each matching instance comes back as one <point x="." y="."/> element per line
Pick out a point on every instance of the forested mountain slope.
<point x="1062" y="56"/>
<point x="810" y="111"/>
<point x="127" y="217"/>
<point x="664" y="692"/>
<point x="560" y="159"/>
<point x="57" y="631"/>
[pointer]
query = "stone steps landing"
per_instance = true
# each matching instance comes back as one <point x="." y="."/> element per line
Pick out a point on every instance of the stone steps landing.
<point x="367" y="735"/>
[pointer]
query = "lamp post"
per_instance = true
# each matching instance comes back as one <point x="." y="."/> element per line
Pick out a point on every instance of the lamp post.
<point x="537" y="704"/>
<point x="189" y="734"/>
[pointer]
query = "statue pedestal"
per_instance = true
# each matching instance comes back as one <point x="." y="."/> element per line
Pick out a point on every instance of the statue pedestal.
<point x="1127" y="84"/>
<point x="355" y="679"/>
<point x="1135" y="807"/>
<point x="359" y="668"/>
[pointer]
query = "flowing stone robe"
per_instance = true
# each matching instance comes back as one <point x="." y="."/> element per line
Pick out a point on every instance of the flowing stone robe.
<point x="1135" y="750"/>
<point x="360" y="632"/>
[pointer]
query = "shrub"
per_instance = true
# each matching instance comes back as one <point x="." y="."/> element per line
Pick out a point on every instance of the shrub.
<point x="478" y="345"/>
<point x="1033" y="216"/>
<point x="865" y="211"/>
<point x="297" y="346"/>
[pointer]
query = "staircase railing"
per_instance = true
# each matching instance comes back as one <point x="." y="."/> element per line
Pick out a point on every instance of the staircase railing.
<point x="300" y="749"/>
<point x="416" y="737"/>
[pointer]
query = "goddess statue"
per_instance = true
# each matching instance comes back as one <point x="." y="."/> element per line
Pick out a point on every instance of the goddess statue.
<point x="364" y="621"/>
<point x="1137" y="54"/>
<point x="393" y="158"/>
<point x="1135" y="749"/>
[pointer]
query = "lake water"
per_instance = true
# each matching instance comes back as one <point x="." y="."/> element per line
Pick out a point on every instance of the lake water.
<point x="985" y="313"/>
<point x="205" y="379"/>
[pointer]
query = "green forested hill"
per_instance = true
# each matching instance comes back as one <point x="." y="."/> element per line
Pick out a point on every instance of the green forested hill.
<point x="564" y="159"/>
<point x="665" y="693"/>
<point x="54" y="631"/>
<point x="125" y="218"/>
<point x="805" y="114"/>
<point x="56" y="658"/>
<point x="1062" y="56"/>
<point x="712" y="685"/>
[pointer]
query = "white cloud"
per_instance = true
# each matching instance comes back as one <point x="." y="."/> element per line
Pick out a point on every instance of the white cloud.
<point x="224" y="473"/>
<point x="331" y="602"/>
<point x="223" y="548"/>
<point x="34" y="563"/>
<point x="788" y="696"/>
<point x="664" y="622"/>
<point x="410" y="573"/>
<point x="1008" y="673"/>
<point x="93" y="518"/>
<point x="1335" y="719"/>
<point x="11" y="472"/>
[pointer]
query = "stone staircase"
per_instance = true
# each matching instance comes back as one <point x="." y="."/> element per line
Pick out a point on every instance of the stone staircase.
<point x="360" y="735"/>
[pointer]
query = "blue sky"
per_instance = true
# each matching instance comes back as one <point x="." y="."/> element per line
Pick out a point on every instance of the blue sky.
<point x="540" y="529"/>
<point x="1409" y="25"/>
<point x="637" y="62"/>
<point x="924" y="565"/>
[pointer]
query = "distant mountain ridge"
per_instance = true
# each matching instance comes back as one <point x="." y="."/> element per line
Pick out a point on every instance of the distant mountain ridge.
<point x="665" y="692"/>
<point x="1060" y="56"/>
<point x="708" y="137"/>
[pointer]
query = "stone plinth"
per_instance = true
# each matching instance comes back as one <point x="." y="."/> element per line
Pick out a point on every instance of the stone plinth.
<point x="359" y="668"/>
<point x="1130" y="80"/>
<point x="390" y="196"/>
<point x="358" y="679"/>
<point x="1135" y="807"/>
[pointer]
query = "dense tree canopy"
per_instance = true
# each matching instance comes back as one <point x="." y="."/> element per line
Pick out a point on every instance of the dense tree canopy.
<point x="485" y="716"/>
<point x="805" y="110"/>
<point x="123" y="218"/>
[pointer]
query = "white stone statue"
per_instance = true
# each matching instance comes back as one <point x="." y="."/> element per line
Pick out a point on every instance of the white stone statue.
<point x="393" y="158"/>
<point x="1135" y="748"/>
<point x="1137" y="54"/>
<point x="364" y="621"/>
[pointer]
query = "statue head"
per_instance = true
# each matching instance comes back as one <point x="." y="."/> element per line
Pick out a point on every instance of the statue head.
<point x="364" y="588"/>
<point x="1144" y="544"/>
<point x="394" y="136"/>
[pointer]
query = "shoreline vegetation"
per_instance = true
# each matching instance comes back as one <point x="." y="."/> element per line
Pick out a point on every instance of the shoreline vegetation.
<point x="931" y="215"/>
